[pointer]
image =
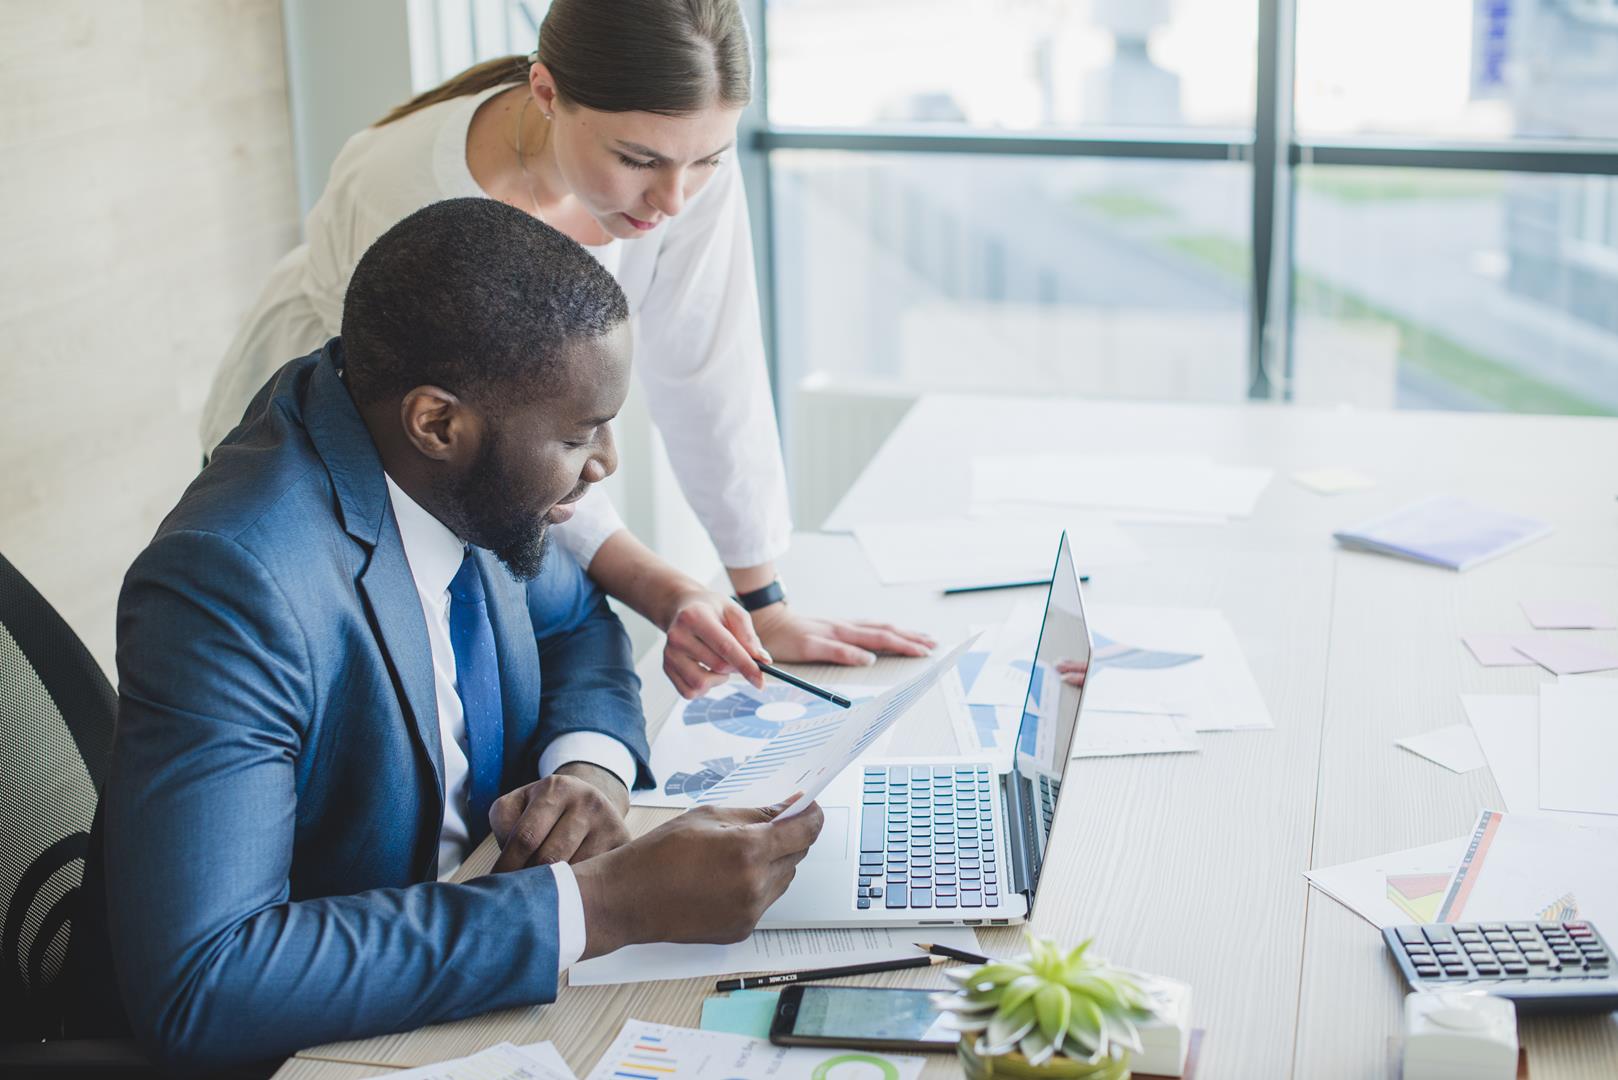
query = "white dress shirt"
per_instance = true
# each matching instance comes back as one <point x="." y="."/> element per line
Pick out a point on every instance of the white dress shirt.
<point x="693" y="298"/>
<point x="435" y="554"/>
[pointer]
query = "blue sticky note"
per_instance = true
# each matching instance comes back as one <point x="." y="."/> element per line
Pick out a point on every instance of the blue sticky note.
<point x="741" y="1012"/>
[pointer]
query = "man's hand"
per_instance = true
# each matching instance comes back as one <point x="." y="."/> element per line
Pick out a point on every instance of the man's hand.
<point x="710" y="636"/>
<point x="706" y="876"/>
<point x="572" y="815"/>
<point x="803" y="639"/>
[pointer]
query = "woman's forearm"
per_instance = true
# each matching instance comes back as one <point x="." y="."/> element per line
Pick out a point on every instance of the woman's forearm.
<point x="628" y="570"/>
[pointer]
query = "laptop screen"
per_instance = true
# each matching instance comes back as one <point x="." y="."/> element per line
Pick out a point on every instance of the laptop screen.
<point x="1050" y="715"/>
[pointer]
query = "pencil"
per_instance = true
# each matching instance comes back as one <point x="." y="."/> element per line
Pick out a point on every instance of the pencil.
<point x="747" y="982"/>
<point x="805" y="685"/>
<point x="954" y="954"/>
<point x="1003" y="585"/>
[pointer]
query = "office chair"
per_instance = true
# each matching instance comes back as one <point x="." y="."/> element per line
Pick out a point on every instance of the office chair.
<point x="56" y="720"/>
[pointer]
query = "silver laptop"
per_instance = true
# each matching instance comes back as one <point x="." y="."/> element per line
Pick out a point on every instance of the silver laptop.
<point x="936" y="841"/>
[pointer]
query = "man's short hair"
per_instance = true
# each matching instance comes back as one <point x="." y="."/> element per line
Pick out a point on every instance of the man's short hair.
<point x="473" y="296"/>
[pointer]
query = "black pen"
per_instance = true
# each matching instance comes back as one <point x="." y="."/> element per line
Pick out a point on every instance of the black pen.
<point x="805" y="685"/>
<point x="953" y="954"/>
<point x="747" y="982"/>
<point x="1003" y="585"/>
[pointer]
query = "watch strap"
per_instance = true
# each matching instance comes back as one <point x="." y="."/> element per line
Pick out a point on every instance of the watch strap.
<point x="760" y="598"/>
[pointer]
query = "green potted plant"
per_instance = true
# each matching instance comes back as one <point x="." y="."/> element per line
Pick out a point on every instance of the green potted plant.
<point x="1050" y="1015"/>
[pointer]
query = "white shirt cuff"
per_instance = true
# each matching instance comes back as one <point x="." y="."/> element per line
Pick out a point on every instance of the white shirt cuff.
<point x="594" y="748"/>
<point x="569" y="917"/>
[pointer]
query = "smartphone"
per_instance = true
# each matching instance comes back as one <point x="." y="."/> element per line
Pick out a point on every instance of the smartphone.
<point x="860" y="1017"/>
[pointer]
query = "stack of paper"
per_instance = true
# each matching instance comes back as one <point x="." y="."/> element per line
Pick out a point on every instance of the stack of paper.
<point x="645" y="1051"/>
<point x="1447" y="532"/>
<point x="1175" y="486"/>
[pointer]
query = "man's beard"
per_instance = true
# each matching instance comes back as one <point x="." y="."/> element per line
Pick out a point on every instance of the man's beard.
<point x="481" y="504"/>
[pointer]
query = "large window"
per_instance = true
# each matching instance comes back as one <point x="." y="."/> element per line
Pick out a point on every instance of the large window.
<point x="1383" y="203"/>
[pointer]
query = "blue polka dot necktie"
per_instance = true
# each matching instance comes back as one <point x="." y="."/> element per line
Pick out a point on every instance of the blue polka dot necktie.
<point x="477" y="681"/>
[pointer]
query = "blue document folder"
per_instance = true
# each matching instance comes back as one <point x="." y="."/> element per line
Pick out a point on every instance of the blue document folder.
<point x="1444" y="531"/>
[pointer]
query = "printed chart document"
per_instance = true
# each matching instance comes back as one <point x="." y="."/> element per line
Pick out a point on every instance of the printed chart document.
<point x="1444" y="531"/>
<point x="1533" y="867"/>
<point x="808" y="753"/>
<point x="1184" y="661"/>
<point x="539" y="1061"/>
<point x="764" y="951"/>
<point x="648" y="1051"/>
<point x="1393" y="889"/>
<point x="1564" y="654"/>
<point x="1170" y="483"/>
<point x="948" y="553"/>
<point x="1578" y="746"/>
<point x="1125" y="734"/>
<point x="1498" y="650"/>
<point x="703" y="741"/>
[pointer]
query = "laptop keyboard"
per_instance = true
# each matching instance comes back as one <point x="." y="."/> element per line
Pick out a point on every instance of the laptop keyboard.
<point x="1048" y="790"/>
<point x="927" y="838"/>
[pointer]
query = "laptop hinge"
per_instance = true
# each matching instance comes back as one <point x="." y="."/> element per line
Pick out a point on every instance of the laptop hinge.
<point x="1021" y="837"/>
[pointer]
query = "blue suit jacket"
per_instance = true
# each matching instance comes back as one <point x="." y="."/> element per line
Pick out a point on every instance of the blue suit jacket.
<point x="267" y="843"/>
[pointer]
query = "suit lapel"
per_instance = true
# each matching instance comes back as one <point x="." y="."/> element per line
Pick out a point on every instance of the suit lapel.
<point x="340" y="437"/>
<point x="390" y="591"/>
<point x="519" y="663"/>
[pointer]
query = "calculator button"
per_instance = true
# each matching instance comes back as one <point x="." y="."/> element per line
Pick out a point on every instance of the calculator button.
<point x="1427" y="971"/>
<point x="1516" y="969"/>
<point x="921" y="898"/>
<point x="896" y="897"/>
<point x="1487" y="969"/>
<point x="1411" y="935"/>
<point x="1597" y="959"/>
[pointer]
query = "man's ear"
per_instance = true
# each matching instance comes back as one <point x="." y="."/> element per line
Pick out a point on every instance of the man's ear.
<point x="439" y="425"/>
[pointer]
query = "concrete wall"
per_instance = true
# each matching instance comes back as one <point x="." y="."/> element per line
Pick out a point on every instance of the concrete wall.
<point x="146" y="188"/>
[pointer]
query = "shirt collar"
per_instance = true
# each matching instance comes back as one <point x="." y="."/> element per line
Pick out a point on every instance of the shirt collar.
<point x="433" y="551"/>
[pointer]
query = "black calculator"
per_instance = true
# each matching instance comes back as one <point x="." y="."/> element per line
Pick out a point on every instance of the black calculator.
<point x="1541" y="966"/>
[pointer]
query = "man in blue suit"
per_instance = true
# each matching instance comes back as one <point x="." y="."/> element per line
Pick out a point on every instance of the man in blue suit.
<point x="329" y="687"/>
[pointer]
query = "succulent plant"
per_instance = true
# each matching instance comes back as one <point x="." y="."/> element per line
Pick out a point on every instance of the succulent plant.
<point x="1049" y="1002"/>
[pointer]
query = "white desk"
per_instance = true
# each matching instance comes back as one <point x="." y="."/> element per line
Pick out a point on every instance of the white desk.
<point x="1192" y="865"/>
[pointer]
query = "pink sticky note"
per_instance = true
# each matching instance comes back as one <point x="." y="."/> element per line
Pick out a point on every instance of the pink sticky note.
<point x="1568" y="615"/>
<point x="1498" y="650"/>
<point x="1568" y="655"/>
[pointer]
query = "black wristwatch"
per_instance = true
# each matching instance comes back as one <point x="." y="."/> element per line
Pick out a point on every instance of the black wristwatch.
<point x="760" y="598"/>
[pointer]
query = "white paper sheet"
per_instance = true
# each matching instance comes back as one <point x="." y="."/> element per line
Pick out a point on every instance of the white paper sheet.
<point x="644" y="1049"/>
<point x="1333" y="480"/>
<point x="1173" y="483"/>
<point x="1578" y="745"/>
<point x="1394" y="889"/>
<point x="1568" y="615"/>
<point x="1217" y="692"/>
<point x="1568" y="654"/>
<point x="1498" y="650"/>
<point x="1003" y="679"/>
<point x="1507" y="729"/>
<point x="807" y="754"/>
<point x="537" y="1061"/>
<point x="766" y="951"/>
<point x="1535" y="867"/>
<point x="703" y="741"/>
<point x="1454" y="747"/>
<point x="956" y="552"/>
<point x="1125" y="734"/>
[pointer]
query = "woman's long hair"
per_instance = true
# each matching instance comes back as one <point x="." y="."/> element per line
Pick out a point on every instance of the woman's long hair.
<point x="674" y="57"/>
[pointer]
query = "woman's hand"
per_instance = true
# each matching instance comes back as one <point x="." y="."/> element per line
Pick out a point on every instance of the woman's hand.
<point x="709" y="637"/>
<point x="794" y="637"/>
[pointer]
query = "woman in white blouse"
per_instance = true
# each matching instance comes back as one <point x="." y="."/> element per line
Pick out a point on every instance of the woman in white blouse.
<point x="619" y="131"/>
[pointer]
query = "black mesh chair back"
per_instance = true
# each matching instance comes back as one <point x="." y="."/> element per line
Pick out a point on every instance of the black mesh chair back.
<point x="56" y="721"/>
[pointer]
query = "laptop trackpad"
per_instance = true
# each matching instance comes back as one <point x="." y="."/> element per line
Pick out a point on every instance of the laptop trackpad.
<point x="832" y="844"/>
